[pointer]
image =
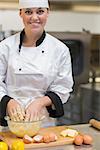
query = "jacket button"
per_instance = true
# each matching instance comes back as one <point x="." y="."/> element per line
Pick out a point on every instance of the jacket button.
<point x="20" y="69"/>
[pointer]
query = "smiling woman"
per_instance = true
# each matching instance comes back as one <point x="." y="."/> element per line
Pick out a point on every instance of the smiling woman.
<point x="35" y="69"/>
<point x="34" y="19"/>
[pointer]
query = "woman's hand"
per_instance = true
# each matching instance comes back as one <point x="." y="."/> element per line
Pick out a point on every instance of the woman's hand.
<point x="15" y="111"/>
<point x="35" y="110"/>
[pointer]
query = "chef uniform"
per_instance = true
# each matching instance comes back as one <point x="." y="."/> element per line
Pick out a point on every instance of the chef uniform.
<point x="28" y="73"/>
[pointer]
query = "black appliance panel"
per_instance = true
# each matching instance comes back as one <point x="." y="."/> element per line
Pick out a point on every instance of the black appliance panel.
<point x="77" y="55"/>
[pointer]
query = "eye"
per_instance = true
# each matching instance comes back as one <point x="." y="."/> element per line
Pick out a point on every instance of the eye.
<point x="28" y="12"/>
<point x="40" y="11"/>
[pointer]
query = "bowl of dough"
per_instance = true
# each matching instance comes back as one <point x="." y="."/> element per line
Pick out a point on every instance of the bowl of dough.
<point x="20" y="128"/>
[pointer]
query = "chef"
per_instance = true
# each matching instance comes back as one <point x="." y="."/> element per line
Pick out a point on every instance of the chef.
<point x="35" y="68"/>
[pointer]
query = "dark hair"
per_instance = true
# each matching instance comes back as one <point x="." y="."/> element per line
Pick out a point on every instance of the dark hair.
<point x="48" y="3"/>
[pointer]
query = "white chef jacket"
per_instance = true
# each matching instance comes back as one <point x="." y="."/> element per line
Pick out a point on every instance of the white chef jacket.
<point x="28" y="74"/>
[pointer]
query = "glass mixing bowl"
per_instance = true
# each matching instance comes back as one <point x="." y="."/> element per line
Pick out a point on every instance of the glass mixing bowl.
<point x="22" y="128"/>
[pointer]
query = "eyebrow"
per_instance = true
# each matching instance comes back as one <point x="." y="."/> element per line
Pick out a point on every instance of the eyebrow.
<point x="32" y="8"/>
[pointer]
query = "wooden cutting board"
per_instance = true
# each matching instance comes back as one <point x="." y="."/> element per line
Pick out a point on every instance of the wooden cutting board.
<point x="9" y="138"/>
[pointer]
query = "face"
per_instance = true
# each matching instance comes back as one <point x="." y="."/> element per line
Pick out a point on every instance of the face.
<point x="34" y="19"/>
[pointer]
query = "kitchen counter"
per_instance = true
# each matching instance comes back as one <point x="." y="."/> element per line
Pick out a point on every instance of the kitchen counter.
<point x="84" y="128"/>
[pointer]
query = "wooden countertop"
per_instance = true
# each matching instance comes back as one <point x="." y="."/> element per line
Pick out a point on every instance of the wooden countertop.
<point x="84" y="128"/>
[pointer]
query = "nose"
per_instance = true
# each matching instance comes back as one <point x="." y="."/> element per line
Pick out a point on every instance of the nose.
<point x="34" y="16"/>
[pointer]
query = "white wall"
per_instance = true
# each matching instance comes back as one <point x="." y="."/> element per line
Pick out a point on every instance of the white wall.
<point x="57" y="21"/>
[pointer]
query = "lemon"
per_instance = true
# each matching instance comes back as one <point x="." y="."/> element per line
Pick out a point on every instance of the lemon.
<point x="3" y="146"/>
<point x="17" y="145"/>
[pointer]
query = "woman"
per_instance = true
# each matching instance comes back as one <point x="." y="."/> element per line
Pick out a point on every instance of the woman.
<point x="35" y="68"/>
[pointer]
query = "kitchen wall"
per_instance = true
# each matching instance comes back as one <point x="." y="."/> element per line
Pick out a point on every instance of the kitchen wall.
<point x="57" y="21"/>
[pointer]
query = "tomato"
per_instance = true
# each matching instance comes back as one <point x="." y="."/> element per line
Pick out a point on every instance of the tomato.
<point x="3" y="146"/>
<point x="17" y="145"/>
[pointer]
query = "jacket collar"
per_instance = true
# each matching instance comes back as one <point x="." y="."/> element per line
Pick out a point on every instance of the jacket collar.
<point x="39" y="41"/>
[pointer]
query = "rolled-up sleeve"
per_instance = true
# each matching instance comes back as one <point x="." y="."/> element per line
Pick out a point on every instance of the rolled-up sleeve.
<point x="3" y="70"/>
<point x="4" y="98"/>
<point x="63" y="83"/>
